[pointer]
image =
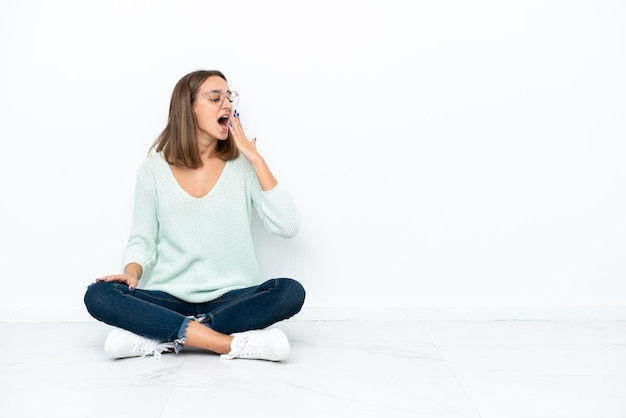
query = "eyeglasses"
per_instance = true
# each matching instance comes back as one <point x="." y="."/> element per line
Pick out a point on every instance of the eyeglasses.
<point x="218" y="96"/>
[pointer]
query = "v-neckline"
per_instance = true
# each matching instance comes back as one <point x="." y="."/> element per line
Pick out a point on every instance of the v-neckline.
<point x="208" y="193"/>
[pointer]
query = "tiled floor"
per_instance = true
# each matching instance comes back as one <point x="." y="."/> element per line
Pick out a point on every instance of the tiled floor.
<point x="491" y="369"/>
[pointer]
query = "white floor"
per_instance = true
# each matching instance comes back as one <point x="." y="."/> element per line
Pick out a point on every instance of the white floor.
<point x="503" y="369"/>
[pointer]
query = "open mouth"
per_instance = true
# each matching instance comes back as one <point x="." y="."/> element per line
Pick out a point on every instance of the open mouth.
<point x="223" y="121"/>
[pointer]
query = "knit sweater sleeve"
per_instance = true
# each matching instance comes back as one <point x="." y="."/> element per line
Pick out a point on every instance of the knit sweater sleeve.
<point x="141" y="245"/>
<point x="277" y="209"/>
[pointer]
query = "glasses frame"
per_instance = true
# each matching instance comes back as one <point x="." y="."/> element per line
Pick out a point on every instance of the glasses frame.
<point x="233" y="96"/>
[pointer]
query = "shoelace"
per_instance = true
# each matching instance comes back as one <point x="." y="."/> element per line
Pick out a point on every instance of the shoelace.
<point x="244" y="349"/>
<point x="151" y="347"/>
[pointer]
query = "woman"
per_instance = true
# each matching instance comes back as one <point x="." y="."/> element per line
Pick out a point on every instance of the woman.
<point x="191" y="241"/>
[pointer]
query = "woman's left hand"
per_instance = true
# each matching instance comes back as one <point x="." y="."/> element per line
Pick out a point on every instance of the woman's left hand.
<point x="246" y="147"/>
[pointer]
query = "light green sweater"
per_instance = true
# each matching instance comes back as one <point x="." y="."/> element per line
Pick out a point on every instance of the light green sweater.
<point x="197" y="249"/>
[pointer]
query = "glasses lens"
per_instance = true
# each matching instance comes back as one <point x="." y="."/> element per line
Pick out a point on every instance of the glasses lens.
<point x="219" y="97"/>
<point x="215" y="96"/>
<point x="234" y="98"/>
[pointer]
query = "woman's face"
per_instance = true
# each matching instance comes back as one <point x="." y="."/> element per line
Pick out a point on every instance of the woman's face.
<point x="213" y="109"/>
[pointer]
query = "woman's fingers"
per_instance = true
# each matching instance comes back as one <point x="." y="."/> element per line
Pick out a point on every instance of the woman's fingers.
<point x="128" y="280"/>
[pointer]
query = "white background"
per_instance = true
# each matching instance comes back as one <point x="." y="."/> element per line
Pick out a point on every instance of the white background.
<point x="451" y="159"/>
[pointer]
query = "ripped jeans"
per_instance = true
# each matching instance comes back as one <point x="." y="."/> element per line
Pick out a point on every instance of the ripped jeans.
<point x="159" y="315"/>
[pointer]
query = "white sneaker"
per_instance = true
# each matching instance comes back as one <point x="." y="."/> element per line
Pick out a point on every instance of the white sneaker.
<point x="271" y="344"/>
<point x="121" y="344"/>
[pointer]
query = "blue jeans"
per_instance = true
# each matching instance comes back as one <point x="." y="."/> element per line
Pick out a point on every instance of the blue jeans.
<point x="159" y="315"/>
